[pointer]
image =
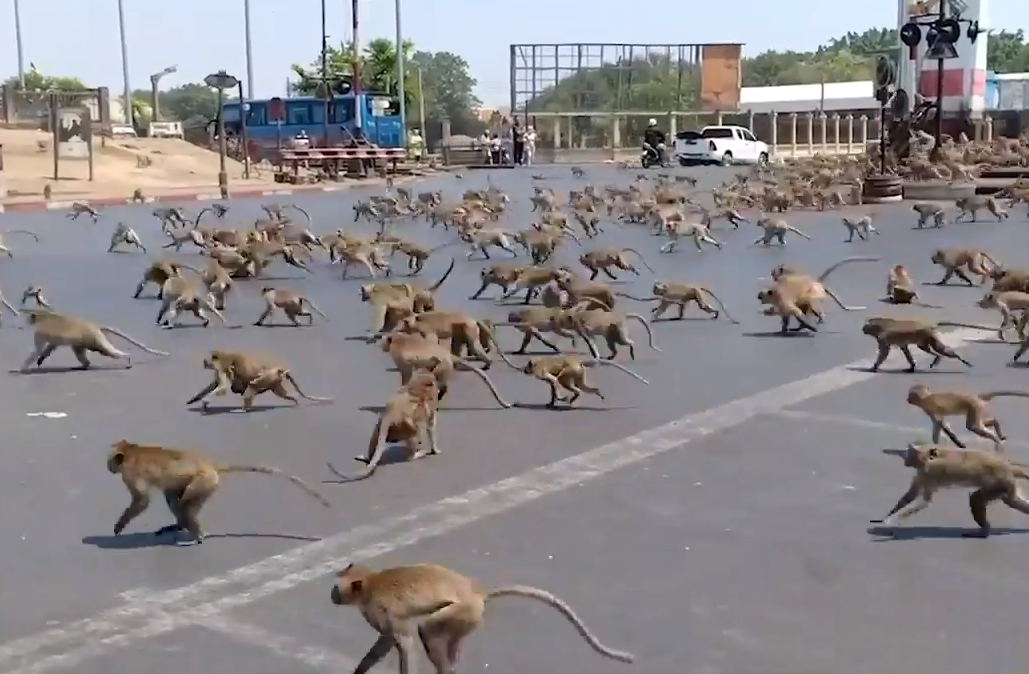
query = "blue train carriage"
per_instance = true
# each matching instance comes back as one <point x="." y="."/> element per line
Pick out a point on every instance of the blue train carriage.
<point x="271" y="123"/>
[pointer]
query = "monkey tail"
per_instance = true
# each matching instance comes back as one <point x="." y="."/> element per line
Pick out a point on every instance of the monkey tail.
<point x="847" y="260"/>
<point x="655" y="298"/>
<point x="439" y="283"/>
<point x="565" y="610"/>
<point x="307" y="215"/>
<point x="315" y="309"/>
<point x="9" y="306"/>
<point x="487" y="327"/>
<point x="974" y="326"/>
<point x="376" y="448"/>
<point x="990" y="395"/>
<point x="303" y="395"/>
<point x="799" y="233"/>
<point x="118" y="333"/>
<point x="21" y="231"/>
<point x="721" y="305"/>
<point x="643" y="260"/>
<point x="268" y="470"/>
<point x="599" y="361"/>
<point x="489" y="383"/>
<point x="646" y="326"/>
<point x="589" y="302"/>
<point x="840" y="303"/>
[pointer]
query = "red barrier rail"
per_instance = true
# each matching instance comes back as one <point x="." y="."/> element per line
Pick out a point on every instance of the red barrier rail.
<point x="322" y="154"/>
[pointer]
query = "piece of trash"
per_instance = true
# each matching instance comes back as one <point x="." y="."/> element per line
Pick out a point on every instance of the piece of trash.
<point x="47" y="415"/>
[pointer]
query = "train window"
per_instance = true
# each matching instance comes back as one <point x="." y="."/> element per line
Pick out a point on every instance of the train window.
<point x="257" y="115"/>
<point x="298" y="112"/>
<point x="342" y="110"/>
<point x="318" y="113"/>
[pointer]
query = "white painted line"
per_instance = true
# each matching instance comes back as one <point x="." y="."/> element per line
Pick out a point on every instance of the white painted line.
<point x="917" y="433"/>
<point x="187" y="605"/>
<point x="284" y="646"/>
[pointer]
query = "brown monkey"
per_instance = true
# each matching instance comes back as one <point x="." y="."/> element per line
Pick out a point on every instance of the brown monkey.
<point x="481" y="240"/>
<point x="1009" y="279"/>
<point x="900" y="289"/>
<point x="158" y="272"/>
<point x="248" y="375"/>
<point x="775" y="229"/>
<point x="610" y="325"/>
<point x="82" y="208"/>
<point x="127" y="235"/>
<point x="953" y="259"/>
<point x="407" y="416"/>
<point x="291" y="303"/>
<point x="907" y="332"/>
<point x="437" y="606"/>
<point x="926" y="211"/>
<point x="579" y="290"/>
<point x="531" y="279"/>
<point x="367" y="255"/>
<point x="672" y="293"/>
<point x="862" y="227"/>
<point x="602" y="259"/>
<point x="382" y="295"/>
<point x="794" y="294"/>
<point x="413" y="352"/>
<point x="939" y="405"/>
<point x="532" y="323"/>
<point x="568" y="372"/>
<point x="464" y="333"/>
<point x="180" y="295"/>
<point x="5" y="249"/>
<point x="1008" y="303"/>
<point x="972" y="206"/>
<point x="180" y="237"/>
<point x="503" y="274"/>
<point x="417" y="255"/>
<point x="82" y="336"/>
<point x="188" y="480"/>
<point x="994" y="477"/>
<point x="219" y="283"/>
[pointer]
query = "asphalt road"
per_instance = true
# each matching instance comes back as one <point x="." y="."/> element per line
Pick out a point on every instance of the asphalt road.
<point x="715" y="521"/>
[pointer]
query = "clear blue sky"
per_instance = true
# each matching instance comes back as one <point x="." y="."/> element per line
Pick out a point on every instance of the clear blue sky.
<point x="201" y="37"/>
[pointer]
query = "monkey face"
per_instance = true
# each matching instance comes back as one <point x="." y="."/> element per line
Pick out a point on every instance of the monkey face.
<point x="766" y="296"/>
<point x="938" y="257"/>
<point x="117" y="456"/>
<point x="529" y="366"/>
<point x="988" y="301"/>
<point x="659" y="289"/>
<point x="870" y="328"/>
<point x="267" y="289"/>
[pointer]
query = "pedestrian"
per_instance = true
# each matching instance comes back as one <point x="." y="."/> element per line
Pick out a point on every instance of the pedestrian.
<point x="518" y="140"/>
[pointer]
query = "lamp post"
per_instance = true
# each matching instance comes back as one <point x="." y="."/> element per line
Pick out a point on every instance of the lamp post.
<point x="125" y="62"/>
<point x="248" y="40"/>
<point x="19" y="43"/>
<point x="221" y="81"/>
<point x="401" y="88"/>
<point x="155" y="79"/>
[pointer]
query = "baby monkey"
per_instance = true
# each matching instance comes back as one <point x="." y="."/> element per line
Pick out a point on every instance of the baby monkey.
<point x="436" y="606"/>
<point x="567" y="372"/>
<point x="993" y="476"/>
<point x="900" y="289"/>
<point x="187" y="479"/>
<point x="862" y="227"/>
<point x="938" y="405"/>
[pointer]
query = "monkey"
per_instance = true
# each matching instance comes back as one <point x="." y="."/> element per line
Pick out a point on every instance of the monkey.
<point x="5" y="249"/>
<point x="953" y="259"/>
<point x="938" y="405"/>
<point x="672" y="293"/>
<point x="291" y="303"/>
<point x="364" y="254"/>
<point x="503" y="274"/>
<point x="700" y="232"/>
<point x="482" y="239"/>
<point x="417" y="255"/>
<point x="1009" y="279"/>
<point x="188" y="480"/>
<point x="407" y="416"/>
<point x="48" y="192"/>
<point x="568" y="372"/>
<point x="531" y="279"/>
<point x="972" y="205"/>
<point x="1008" y="303"/>
<point x="581" y="289"/>
<point x="993" y="476"/>
<point x="463" y="332"/>
<point x="776" y="230"/>
<point x="125" y="234"/>
<point x="926" y="211"/>
<point x="218" y="282"/>
<point x="180" y="237"/>
<point x="898" y="277"/>
<point x="262" y="252"/>
<point x="36" y="293"/>
<point x="158" y="272"/>
<point x="179" y="295"/>
<point x="412" y="352"/>
<point x="905" y="333"/>
<point x="602" y="259"/>
<point x="794" y="294"/>
<point x="542" y="242"/>
<point x="137" y="194"/>
<point x="578" y="172"/>
<point x="54" y="330"/>
<point x="82" y="208"/>
<point x="171" y="218"/>
<point x="248" y="375"/>
<point x="382" y="294"/>
<point x="438" y="606"/>
<point x="900" y="289"/>
<point x="610" y="325"/>
<point x="862" y="227"/>
<point x="533" y="322"/>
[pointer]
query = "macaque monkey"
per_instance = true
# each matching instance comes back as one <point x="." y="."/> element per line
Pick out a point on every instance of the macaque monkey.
<point x="610" y="325"/>
<point x="681" y="295"/>
<point x="54" y="330"/>
<point x="862" y="227"/>
<point x="369" y="256"/>
<point x="954" y="259"/>
<point x="776" y="229"/>
<point x="567" y="372"/>
<point x="972" y="205"/>
<point x="187" y="479"/>
<point x="926" y="211"/>
<point x="171" y="218"/>
<point x="7" y="251"/>
<point x="180" y="237"/>
<point x="939" y="405"/>
<point x="481" y="240"/>
<point x="82" y="208"/>
<point x="602" y="259"/>
<point x="993" y="476"/>
<point x="158" y="273"/>
<point x="904" y="333"/>
<point x="291" y="303"/>
<point x="36" y="293"/>
<point x="125" y="234"/>
<point x="794" y="294"/>
<point x="407" y="417"/>
<point x="180" y="295"/>
<point x="900" y="289"/>
<point x="503" y="274"/>
<point x="1009" y="279"/>
<point x="248" y="375"/>
<point x="1008" y="303"/>
<point x="436" y="606"/>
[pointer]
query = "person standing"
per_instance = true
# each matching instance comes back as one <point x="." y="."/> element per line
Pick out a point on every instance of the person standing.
<point x="518" y="141"/>
<point x="530" y="146"/>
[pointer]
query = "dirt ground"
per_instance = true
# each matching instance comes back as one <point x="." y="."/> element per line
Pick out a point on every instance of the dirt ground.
<point x="159" y="166"/>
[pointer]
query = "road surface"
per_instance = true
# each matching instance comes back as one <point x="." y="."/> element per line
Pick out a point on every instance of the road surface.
<point x="715" y="521"/>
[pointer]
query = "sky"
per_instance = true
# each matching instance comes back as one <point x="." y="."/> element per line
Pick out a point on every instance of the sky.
<point x="203" y="37"/>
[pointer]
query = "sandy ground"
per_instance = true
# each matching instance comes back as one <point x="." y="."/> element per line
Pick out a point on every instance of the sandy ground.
<point x="175" y="167"/>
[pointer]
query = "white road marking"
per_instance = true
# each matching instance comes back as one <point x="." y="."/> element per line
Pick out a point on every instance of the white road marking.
<point x="189" y="605"/>
<point x="284" y="646"/>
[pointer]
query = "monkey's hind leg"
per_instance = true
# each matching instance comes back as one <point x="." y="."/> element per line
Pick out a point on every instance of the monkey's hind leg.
<point x="191" y="502"/>
<point x="977" y="503"/>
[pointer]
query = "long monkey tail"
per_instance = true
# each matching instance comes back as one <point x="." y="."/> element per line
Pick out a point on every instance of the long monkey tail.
<point x="268" y="470"/>
<point x="990" y="395"/>
<point x="845" y="261"/>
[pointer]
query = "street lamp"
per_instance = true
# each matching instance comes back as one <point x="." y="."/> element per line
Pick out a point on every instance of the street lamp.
<point x="154" y="80"/>
<point x="125" y="62"/>
<point x="221" y="81"/>
<point x="401" y="89"/>
<point x="19" y="43"/>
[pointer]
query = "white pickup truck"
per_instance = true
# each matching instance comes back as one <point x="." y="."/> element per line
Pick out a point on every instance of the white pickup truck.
<point x="723" y="145"/>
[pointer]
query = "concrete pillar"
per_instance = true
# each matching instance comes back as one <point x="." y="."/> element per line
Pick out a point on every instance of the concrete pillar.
<point x="823" y="133"/>
<point x="557" y="133"/>
<point x="616" y="133"/>
<point x="810" y="118"/>
<point x="850" y="134"/>
<point x="863" y="131"/>
<point x="673" y="125"/>
<point x="793" y="134"/>
<point x="836" y="132"/>
<point x="3" y="178"/>
<point x="773" y="138"/>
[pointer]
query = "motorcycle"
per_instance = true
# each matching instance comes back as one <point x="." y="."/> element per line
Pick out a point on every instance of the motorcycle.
<point x="651" y="156"/>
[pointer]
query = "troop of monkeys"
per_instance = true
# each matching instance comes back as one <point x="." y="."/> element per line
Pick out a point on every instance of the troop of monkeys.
<point x="431" y="604"/>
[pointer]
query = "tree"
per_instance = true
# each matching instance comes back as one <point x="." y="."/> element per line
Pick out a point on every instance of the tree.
<point x="449" y="92"/>
<point x="1007" y="52"/>
<point x="37" y="82"/>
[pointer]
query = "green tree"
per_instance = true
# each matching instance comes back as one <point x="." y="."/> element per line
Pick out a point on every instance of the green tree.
<point x="449" y="92"/>
<point x="1007" y="52"/>
<point x="36" y="81"/>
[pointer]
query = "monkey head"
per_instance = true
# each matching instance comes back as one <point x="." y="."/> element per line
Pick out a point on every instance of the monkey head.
<point x="563" y="276"/>
<point x="659" y="289"/>
<point x="584" y="259"/>
<point x="873" y="327"/>
<point x="782" y="270"/>
<point x="768" y="295"/>
<point x="117" y="456"/>
<point x="939" y="256"/>
<point x="916" y="393"/>
<point x="214" y="360"/>
<point x="219" y="210"/>
<point x="988" y="301"/>
<point x="367" y="290"/>
<point x="409" y="324"/>
<point x="530" y="365"/>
